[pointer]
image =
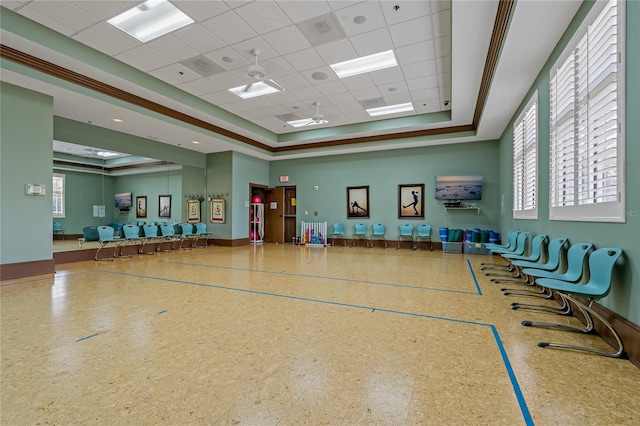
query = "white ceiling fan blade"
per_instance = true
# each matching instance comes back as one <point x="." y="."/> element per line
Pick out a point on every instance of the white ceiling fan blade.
<point x="273" y="84"/>
<point x="247" y="88"/>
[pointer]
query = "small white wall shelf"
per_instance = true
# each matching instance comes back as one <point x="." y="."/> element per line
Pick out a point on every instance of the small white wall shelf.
<point x="477" y="209"/>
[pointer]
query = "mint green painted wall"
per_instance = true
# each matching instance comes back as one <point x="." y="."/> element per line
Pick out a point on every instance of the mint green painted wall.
<point x="220" y="182"/>
<point x="624" y="298"/>
<point x="245" y="170"/>
<point x="194" y="186"/>
<point x="26" y="130"/>
<point x="383" y="171"/>
<point x="151" y="185"/>
<point x="82" y="192"/>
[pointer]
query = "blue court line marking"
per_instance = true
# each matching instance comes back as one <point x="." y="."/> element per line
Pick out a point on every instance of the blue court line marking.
<point x="323" y="277"/>
<point x="87" y="337"/>
<point x="512" y="377"/>
<point x="161" y="312"/>
<point x="473" y="274"/>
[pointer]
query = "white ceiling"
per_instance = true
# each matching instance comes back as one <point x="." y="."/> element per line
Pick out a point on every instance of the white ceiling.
<point x="441" y="48"/>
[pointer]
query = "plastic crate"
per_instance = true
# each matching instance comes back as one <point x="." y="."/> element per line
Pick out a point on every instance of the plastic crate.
<point x="476" y="248"/>
<point x="450" y="247"/>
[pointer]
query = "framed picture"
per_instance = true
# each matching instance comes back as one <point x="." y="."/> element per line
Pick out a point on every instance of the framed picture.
<point x="357" y="202"/>
<point x="164" y="206"/>
<point x="217" y="211"/>
<point x="141" y="207"/>
<point x="411" y="201"/>
<point x="193" y="211"/>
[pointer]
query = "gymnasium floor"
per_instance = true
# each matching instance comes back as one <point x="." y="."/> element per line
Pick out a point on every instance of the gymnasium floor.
<point x="278" y="334"/>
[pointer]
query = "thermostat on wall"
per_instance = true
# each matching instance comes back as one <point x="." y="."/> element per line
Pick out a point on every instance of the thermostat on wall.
<point x="35" y="189"/>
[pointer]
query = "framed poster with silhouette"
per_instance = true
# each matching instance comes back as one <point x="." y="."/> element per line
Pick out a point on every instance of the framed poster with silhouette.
<point x="164" y="205"/>
<point x="141" y="207"/>
<point x="411" y="201"/>
<point x="358" y="202"/>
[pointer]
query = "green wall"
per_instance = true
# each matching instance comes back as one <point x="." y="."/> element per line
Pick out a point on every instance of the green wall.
<point x="83" y="191"/>
<point x="625" y="295"/>
<point x="220" y="183"/>
<point x="26" y="131"/>
<point x="151" y="185"/>
<point x="383" y="171"/>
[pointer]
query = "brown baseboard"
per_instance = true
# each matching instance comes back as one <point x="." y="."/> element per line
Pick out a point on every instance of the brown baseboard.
<point x="229" y="243"/>
<point x="10" y="271"/>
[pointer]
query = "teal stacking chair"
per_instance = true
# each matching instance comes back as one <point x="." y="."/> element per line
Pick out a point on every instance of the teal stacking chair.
<point x="554" y="255"/>
<point x="423" y="234"/>
<point x="360" y="233"/>
<point x="576" y="256"/>
<point x="511" y="241"/>
<point x="131" y="236"/>
<point x="150" y="237"/>
<point x="200" y="233"/>
<point x="406" y="234"/>
<point x="187" y="234"/>
<point x="89" y="233"/>
<point x="338" y="232"/>
<point x="518" y="250"/>
<point x="168" y="234"/>
<point x="106" y="238"/>
<point x="601" y="264"/>
<point x="57" y="230"/>
<point x="377" y="233"/>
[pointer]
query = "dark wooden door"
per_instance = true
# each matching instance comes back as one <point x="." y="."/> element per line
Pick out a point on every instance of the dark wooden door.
<point x="274" y="215"/>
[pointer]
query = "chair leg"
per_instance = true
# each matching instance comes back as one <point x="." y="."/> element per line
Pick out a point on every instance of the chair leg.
<point x="565" y="309"/>
<point x="589" y="328"/>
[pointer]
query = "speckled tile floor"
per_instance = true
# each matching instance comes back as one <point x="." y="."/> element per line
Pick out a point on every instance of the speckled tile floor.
<point x="277" y="334"/>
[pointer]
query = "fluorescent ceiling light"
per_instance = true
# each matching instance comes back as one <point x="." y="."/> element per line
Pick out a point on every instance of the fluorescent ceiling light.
<point x="390" y="109"/>
<point x="150" y="20"/>
<point x="305" y="122"/>
<point x="106" y="154"/>
<point x="256" y="89"/>
<point x="375" y="62"/>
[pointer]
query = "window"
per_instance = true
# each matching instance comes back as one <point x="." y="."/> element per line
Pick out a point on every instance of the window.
<point x="58" y="195"/>
<point x="587" y="121"/>
<point x="525" y="162"/>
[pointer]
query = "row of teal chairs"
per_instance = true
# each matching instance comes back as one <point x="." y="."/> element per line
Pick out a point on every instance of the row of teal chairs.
<point x="588" y="274"/>
<point x="182" y="233"/>
<point x="378" y="230"/>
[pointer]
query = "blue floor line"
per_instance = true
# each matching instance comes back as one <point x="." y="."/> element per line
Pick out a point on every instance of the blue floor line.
<point x="473" y="274"/>
<point x="86" y="337"/>
<point x="323" y="277"/>
<point x="514" y="382"/>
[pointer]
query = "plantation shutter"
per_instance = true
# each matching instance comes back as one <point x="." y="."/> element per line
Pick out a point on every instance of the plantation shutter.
<point x="525" y="162"/>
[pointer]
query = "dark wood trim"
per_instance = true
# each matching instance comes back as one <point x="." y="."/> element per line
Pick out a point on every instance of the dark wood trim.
<point x="503" y="15"/>
<point x="229" y="243"/>
<point x="75" y="164"/>
<point x="9" y="271"/>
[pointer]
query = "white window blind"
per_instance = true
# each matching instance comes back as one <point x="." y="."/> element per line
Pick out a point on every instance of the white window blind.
<point x="58" y="195"/>
<point x="586" y="113"/>
<point x="525" y="162"/>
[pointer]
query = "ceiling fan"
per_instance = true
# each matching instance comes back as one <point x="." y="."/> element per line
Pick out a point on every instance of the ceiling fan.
<point x="259" y="75"/>
<point x="317" y="118"/>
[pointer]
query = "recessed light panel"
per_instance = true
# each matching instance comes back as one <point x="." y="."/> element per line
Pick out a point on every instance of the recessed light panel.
<point x="390" y="109"/>
<point x="254" y="90"/>
<point x="150" y="20"/>
<point x="303" y="122"/>
<point x="375" y="62"/>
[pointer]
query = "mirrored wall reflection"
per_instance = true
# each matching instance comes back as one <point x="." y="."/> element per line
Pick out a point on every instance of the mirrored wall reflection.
<point x="94" y="179"/>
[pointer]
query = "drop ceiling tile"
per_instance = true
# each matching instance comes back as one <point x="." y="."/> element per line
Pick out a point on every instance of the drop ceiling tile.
<point x="175" y="74"/>
<point x="397" y="98"/>
<point x="104" y="34"/>
<point x="358" y="82"/>
<point x="145" y="58"/>
<point x="411" y="32"/>
<point x="315" y="75"/>
<point x="200" y="11"/>
<point x="393" y="88"/>
<point x="444" y="64"/>
<point x="259" y="102"/>
<point x="337" y="51"/>
<point x="340" y="99"/>
<point x="234" y="59"/>
<point x="263" y="16"/>
<point x="442" y="46"/>
<point x="228" y="80"/>
<point x="172" y="47"/>
<point x="230" y="28"/>
<point x="372" y="42"/>
<point x="331" y="88"/>
<point x="419" y="96"/>
<point x="444" y="79"/>
<point x="267" y="112"/>
<point x="389" y="75"/>
<point x="64" y="12"/>
<point x="233" y="4"/>
<point x="305" y="59"/>
<point x="299" y="11"/>
<point x="102" y="10"/>
<point x="429" y="106"/>
<point x="355" y="113"/>
<point x="407" y="11"/>
<point x="341" y="4"/>
<point x="440" y="5"/>
<point x="292" y="81"/>
<point x="277" y="67"/>
<point x="441" y="23"/>
<point x="98" y="45"/>
<point x="199" y="38"/>
<point x="305" y="93"/>
<point x="285" y="99"/>
<point x="245" y="49"/>
<point x="287" y="40"/>
<point x="200" y="87"/>
<point x="420" y="69"/>
<point x="367" y="93"/>
<point x="423" y="83"/>
<point x="369" y="11"/>
<point x="45" y="20"/>
<point x="415" y="53"/>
